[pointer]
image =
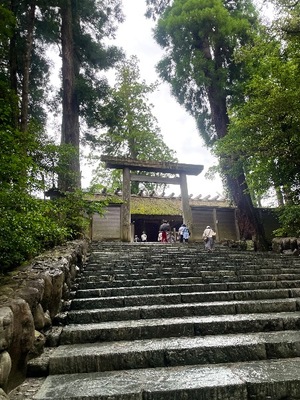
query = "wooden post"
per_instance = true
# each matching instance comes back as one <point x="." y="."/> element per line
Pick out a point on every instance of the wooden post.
<point x="126" y="216"/>
<point x="238" y="236"/>
<point x="186" y="209"/>
<point x="216" y="223"/>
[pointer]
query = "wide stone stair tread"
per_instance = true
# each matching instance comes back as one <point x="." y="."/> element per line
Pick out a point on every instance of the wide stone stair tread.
<point x="178" y="298"/>
<point x="171" y="280"/>
<point x="188" y="266"/>
<point x="186" y="326"/>
<point x="184" y="287"/>
<point x="124" y="272"/>
<point x="180" y="310"/>
<point x="258" y="380"/>
<point x="172" y="351"/>
<point x="196" y="270"/>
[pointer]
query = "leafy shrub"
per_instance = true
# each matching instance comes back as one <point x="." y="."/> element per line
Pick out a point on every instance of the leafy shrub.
<point x="26" y="228"/>
<point x="289" y="218"/>
<point x="29" y="225"/>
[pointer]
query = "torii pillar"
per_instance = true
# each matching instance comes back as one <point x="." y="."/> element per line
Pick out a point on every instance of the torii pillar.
<point x="128" y="165"/>
<point x="125" y="210"/>
<point x="186" y="209"/>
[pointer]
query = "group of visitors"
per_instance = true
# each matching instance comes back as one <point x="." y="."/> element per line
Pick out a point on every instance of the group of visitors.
<point x="142" y="239"/>
<point x="165" y="235"/>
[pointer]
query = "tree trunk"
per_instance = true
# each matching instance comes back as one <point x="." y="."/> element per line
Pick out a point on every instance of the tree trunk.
<point x="69" y="178"/>
<point x="26" y="71"/>
<point x="13" y="67"/>
<point x="249" y="222"/>
<point x="279" y="196"/>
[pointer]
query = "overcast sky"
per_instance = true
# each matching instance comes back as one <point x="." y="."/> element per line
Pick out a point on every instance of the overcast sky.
<point x="177" y="126"/>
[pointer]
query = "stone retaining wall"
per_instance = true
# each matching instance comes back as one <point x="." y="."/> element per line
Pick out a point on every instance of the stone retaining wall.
<point x="286" y="245"/>
<point x="30" y="298"/>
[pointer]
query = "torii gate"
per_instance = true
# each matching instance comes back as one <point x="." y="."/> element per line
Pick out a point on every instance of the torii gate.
<point x="127" y="165"/>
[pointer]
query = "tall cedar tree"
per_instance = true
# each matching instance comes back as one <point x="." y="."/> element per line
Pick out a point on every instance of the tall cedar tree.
<point x="23" y="79"/>
<point x="134" y="132"/>
<point x="84" y="25"/>
<point x="78" y="28"/>
<point x="199" y="38"/>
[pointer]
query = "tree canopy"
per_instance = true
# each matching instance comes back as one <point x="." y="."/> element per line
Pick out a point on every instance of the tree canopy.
<point x="263" y="132"/>
<point x="200" y="39"/>
<point x="134" y="132"/>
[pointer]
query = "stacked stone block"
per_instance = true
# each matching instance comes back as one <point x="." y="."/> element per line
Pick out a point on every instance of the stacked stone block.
<point x="30" y="298"/>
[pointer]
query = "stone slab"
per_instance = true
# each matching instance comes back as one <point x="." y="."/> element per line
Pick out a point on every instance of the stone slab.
<point x="181" y="310"/>
<point x="176" y="298"/>
<point x="188" y="326"/>
<point x="260" y="379"/>
<point x="174" y="351"/>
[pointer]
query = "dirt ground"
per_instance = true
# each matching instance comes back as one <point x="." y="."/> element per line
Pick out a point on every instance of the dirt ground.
<point x="27" y="390"/>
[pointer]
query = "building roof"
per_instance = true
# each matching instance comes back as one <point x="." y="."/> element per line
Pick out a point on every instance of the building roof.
<point x="152" y="205"/>
<point x="167" y="206"/>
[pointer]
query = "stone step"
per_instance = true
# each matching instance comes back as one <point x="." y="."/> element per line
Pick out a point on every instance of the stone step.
<point x="258" y="274"/>
<point x="178" y="327"/>
<point x="169" y="278"/>
<point x="179" y="298"/>
<point x="256" y="380"/>
<point x="170" y="352"/>
<point x="181" y="310"/>
<point x="178" y="262"/>
<point x="189" y="264"/>
<point x="90" y="289"/>
<point x="166" y="254"/>
<point x="184" y="287"/>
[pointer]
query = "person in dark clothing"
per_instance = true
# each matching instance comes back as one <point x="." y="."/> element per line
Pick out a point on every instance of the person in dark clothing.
<point x="164" y="228"/>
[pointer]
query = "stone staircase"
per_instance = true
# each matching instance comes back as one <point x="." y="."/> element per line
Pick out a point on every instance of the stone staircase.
<point x="168" y="321"/>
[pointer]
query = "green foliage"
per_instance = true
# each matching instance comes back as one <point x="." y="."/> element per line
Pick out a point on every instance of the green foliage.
<point x="263" y="132"/>
<point x="289" y="218"/>
<point x="134" y="132"/>
<point x="6" y="30"/>
<point x="156" y="7"/>
<point x="29" y="225"/>
<point x="26" y="228"/>
<point x="73" y="211"/>
<point x="199" y="40"/>
<point x="29" y="161"/>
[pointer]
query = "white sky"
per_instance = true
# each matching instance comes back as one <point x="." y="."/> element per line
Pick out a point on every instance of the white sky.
<point x="177" y="126"/>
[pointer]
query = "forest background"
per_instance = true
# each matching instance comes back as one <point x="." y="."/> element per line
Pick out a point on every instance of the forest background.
<point x="235" y="74"/>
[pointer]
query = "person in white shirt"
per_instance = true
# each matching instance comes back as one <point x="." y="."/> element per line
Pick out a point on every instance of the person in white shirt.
<point x="180" y="232"/>
<point x="208" y="237"/>
<point x="186" y="234"/>
<point x="144" y="237"/>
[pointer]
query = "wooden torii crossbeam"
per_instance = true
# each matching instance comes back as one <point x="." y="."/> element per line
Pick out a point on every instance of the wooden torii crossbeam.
<point x="127" y="165"/>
